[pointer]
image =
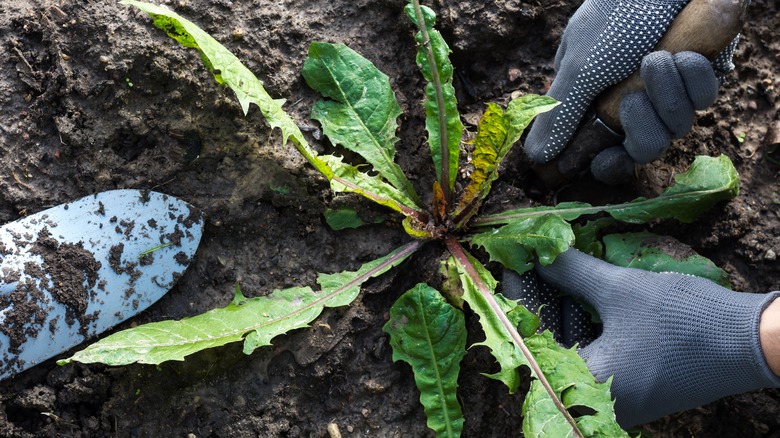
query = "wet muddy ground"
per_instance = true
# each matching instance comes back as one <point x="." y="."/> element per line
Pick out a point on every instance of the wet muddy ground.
<point x="93" y="97"/>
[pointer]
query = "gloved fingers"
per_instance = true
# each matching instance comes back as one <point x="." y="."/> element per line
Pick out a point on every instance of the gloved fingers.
<point x="698" y="76"/>
<point x="666" y="90"/>
<point x="577" y="326"/>
<point x="551" y="131"/>
<point x="535" y="295"/>
<point x="612" y="166"/>
<point x="597" y="357"/>
<point x="584" y="277"/>
<point x="569" y="322"/>
<point x="603" y="43"/>
<point x="590" y="353"/>
<point x="647" y="137"/>
<point x="676" y="85"/>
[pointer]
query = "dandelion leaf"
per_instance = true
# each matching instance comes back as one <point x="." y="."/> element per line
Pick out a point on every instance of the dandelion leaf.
<point x="430" y="335"/>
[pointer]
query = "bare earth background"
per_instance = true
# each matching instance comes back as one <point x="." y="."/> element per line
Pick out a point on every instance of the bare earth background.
<point x="92" y="98"/>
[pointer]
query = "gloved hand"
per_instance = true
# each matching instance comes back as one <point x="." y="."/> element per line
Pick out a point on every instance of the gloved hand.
<point x="604" y="42"/>
<point x="671" y="341"/>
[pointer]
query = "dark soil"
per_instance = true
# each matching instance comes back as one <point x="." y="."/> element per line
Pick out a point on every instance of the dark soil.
<point x="94" y="98"/>
<point x="74" y="271"/>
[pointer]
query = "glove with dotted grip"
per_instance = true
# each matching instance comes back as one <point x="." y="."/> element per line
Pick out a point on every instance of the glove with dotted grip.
<point x="604" y="42"/>
<point x="671" y="341"/>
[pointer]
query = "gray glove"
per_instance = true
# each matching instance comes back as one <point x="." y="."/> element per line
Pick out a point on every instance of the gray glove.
<point x="604" y="42"/>
<point x="671" y="341"/>
<point x="676" y="86"/>
<point x="569" y="322"/>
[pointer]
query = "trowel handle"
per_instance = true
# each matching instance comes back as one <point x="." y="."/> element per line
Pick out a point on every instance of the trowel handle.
<point x="703" y="26"/>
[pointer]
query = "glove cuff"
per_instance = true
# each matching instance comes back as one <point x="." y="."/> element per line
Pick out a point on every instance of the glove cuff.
<point x="765" y="377"/>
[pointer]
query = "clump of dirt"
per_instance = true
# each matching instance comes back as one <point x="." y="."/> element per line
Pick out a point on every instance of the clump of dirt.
<point x="24" y="315"/>
<point x="95" y="98"/>
<point x="72" y="272"/>
<point x="67" y="271"/>
<point x="670" y="246"/>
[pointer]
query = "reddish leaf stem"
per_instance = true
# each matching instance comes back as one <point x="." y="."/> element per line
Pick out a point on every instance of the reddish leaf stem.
<point x="460" y="256"/>
<point x="444" y="178"/>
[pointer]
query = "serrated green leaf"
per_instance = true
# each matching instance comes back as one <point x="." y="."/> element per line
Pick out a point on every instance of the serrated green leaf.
<point x="430" y="335"/>
<point x="228" y="70"/>
<point x="655" y="253"/>
<point x="575" y="386"/>
<point x="361" y="111"/>
<point x="708" y="181"/>
<point x="555" y="383"/>
<point x="515" y="244"/>
<point x="567" y="210"/>
<point x="497" y="338"/>
<point x="442" y="119"/>
<point x="521" y="111"/>
<point x="348" y="178"/>
<point x="255" y="320"/>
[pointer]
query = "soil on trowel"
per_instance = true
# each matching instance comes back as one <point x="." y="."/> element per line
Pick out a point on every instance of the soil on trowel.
<point x="67" y="271"/>
<point x="93" y="97"/>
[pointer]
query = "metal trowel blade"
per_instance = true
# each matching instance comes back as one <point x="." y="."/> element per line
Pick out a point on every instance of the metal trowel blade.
<point x="73" y="271"/>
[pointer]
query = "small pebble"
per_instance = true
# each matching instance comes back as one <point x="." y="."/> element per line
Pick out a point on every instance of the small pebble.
<point x="237" y="34"/>
<point x="374" y="386"/>
<point x="772" y="137"/>
<point x="770" y="255"/>
<point x="514" y="74"/>
<point x="104" y="59"/>
<point x="333" y="430"/>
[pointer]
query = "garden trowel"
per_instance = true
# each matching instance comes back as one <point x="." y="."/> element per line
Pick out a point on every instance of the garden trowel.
<point x="73" y="271"/>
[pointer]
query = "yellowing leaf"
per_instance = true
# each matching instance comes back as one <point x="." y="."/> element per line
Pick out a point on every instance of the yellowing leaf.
<point x="497" y="132"/>
<point x="491" y="136"/>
